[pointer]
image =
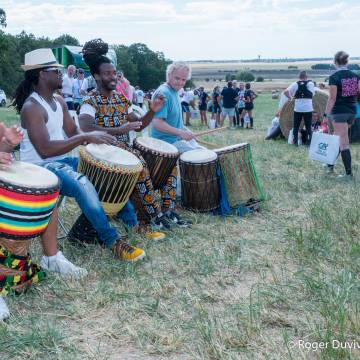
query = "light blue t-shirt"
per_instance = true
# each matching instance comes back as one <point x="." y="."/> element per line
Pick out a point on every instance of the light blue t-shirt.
<point x="170" y="113"/>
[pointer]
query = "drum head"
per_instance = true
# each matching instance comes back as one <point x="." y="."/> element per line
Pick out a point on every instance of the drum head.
<point x="112" y="155"/>
<point x="198" y="156"/>
<point x="159" y="146"/>
<point x="230" y="148"/>
<point x="29" y="176"/>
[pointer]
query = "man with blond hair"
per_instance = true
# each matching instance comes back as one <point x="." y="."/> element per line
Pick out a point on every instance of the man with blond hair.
<point x="167" y="124"/>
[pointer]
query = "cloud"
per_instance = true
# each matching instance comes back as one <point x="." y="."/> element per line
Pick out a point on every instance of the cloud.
<point x="217" y="29"/>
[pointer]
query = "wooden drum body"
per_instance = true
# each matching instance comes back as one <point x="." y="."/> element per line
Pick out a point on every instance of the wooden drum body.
<point x="199" y="180"/>
<point x="237" y="168"/>
<point x="28" y="196"/>
<point x="160" y="157"/>
<point x="113" y="172"/>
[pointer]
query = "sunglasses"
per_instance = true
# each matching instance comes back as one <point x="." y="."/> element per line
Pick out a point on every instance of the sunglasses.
<point x="55" y="70"/>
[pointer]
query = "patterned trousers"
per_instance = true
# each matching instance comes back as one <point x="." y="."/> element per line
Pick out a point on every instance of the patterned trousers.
<point x="144" y="189"/>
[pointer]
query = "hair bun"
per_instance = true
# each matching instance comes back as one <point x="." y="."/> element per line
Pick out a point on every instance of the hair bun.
<point x="94" y="50"/>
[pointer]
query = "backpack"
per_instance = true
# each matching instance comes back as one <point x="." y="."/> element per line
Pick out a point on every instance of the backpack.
<point x="303" y="92"/>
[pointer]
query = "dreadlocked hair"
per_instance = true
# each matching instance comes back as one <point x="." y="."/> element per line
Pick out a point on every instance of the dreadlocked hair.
<point x="93" y="53"/>
<point x="25" y="88"/>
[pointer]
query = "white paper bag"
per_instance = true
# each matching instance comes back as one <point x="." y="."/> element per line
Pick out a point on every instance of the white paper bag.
<point x="212" y="124"/>
<point x="324" y="148"/>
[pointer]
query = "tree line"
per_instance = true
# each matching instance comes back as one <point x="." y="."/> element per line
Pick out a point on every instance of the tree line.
<point x="141" y="65"/>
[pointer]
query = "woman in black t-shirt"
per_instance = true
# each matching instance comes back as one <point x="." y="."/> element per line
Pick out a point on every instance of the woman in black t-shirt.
<point x="341" y="106"/>
<point x="216" y="110"/>
<point x="249" y="97"/>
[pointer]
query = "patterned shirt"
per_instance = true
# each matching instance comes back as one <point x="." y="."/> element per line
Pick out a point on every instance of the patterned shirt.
<point x="109" y="112"/>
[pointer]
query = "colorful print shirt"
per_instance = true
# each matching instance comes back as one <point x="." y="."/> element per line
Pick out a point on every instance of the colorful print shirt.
<point x="109" y="112"/>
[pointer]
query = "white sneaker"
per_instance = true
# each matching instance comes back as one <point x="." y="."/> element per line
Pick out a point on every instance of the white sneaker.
<point x="62" y="266"/>
<point x="4" y="310"/>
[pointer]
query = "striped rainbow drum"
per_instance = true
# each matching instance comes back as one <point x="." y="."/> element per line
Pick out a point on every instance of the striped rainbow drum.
<point x="28" y="196"/>
<point x="113" y="172"/>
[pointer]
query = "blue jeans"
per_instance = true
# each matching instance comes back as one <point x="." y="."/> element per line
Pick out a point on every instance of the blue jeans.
<point x="76" y="185"/>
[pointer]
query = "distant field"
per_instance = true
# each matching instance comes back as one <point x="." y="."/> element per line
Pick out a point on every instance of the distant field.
<point x="277" y="75"/>
<point x="305" y="65"/>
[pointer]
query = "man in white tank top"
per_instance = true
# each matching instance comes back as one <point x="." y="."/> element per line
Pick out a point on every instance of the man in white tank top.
<point x="44" y="118"/>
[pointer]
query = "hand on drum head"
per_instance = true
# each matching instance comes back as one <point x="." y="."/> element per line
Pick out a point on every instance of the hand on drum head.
<point x="133" y="125"/>
<point x="187" y="135"/>
<point x="99" y="137"/>
<point x="12" y="136"/>
<point x="5" y="160"/>
<point x="158" y="103"/>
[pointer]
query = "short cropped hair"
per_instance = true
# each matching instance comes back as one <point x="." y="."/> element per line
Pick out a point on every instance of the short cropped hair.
<point x="176" y="66"/>
<point x="302" y="74"/>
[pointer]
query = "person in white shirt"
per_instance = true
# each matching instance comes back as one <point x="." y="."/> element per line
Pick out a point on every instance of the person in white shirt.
<point x="78" y="82"/>
<point x="140" y="96"/>
<point x="88" y="84"/>
<point x="187" y="100"/>
<point x="67" y="86"/>
<point x="302" y="91"/>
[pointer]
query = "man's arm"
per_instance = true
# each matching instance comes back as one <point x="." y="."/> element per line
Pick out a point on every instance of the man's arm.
<point x="163" y="126"/>
<point x="33" y="120"/>
<point x="9" y="137"/>
<point x="155" y="106"/>
<point x="69" y="125"/>
<point x="291" y="90"/>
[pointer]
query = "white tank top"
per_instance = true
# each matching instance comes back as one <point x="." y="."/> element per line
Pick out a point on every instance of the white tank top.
<point x="54" y="127"/>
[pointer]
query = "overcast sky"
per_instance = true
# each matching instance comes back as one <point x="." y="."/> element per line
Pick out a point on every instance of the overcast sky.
<point x="199" y="29"/>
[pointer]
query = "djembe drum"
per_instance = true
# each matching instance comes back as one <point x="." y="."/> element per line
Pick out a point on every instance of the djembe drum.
<point x="112" y="171"/>
<point x="199" y="180"/>
<point x="28" y="196"/>
<point x="241" y="182"/>
<point x="160" y="157"/>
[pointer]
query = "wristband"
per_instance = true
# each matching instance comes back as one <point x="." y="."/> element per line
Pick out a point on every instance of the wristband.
<point x="325" y="115"/>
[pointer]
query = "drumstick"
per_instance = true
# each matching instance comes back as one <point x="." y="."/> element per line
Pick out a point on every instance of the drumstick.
<point x="205" y="132"/>
<point x="208" y="144"/>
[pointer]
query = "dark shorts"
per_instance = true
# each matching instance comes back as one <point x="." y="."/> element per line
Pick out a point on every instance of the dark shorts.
<point x="249" y="106"/>
<point x="343" y="118"/>
<point x="185" y="107"/>
<point x="70" y="105"/>
<point x="203" y="107"/>
<point x="216" y="109"/>
<point x="241" y="109"/>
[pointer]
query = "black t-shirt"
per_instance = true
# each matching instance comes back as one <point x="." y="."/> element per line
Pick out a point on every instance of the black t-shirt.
<point x="214" y="98"/>
<point x="229" y="94"/>
<point x="248" y="95"/>
<point x="346" y="82"/>
<point x="202" y="98"/>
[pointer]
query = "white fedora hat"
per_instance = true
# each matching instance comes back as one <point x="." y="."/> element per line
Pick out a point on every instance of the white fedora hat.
<point x="40" y="58"/>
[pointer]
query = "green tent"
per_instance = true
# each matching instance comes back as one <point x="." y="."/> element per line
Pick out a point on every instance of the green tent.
<point x="71" y="55"/>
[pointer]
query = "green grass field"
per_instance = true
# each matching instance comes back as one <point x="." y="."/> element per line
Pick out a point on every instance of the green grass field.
<point x="255" y="287"/>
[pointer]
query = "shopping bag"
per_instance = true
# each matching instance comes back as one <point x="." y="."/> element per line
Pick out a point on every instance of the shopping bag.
<point x="324" y="148"/>
<point x="212" y="124"/>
